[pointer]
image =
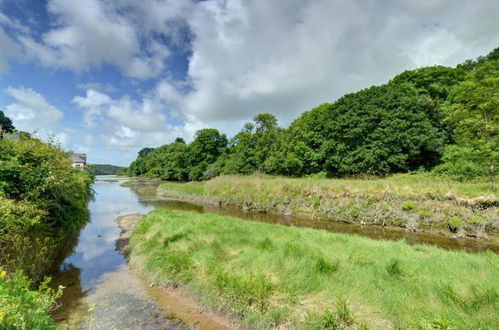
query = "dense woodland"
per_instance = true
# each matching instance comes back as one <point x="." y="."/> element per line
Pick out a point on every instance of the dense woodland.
<point x="103" y="169"/>
<point x="437" y="118"/>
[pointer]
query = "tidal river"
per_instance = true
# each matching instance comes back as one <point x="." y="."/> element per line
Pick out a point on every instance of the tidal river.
<point x="102" y="292"/>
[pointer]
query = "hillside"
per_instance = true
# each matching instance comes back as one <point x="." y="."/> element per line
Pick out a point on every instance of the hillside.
<point x="103" y="169"/>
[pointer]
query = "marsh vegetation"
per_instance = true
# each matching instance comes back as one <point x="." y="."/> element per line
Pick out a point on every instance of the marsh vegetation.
<point x="414" y="202"/>
<point x="269" y="276"/>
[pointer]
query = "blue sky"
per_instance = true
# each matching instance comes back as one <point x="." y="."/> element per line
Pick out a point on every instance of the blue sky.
<point x="110" y="77"/>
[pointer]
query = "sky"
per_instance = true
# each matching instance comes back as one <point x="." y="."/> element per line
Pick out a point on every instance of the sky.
<point x="109" y="77"/>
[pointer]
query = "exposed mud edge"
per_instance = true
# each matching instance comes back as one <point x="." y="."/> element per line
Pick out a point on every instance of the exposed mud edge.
<point x="477" y="232"/>
<point x="177" y="301"/>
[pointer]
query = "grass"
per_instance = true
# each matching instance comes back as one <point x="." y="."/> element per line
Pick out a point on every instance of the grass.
<point x="411" y="201"/>
<point x="269" y="276"/>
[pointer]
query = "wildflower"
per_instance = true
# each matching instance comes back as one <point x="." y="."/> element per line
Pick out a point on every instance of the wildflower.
<point x="2" y="314"/>
<point x="3" y="273"/>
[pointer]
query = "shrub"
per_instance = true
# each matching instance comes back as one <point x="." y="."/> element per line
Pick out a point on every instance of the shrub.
<point x="22" y="307"/>
<point x="454" y="224"/>
<point x="408" y="206"/>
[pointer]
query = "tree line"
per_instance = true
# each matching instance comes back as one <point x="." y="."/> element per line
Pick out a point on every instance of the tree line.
<point x="437" y="118"/>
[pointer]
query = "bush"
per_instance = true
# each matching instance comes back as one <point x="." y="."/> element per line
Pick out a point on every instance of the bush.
<point x="43" y="204"/>
<point x="41" y="173"/>
<point x="460" y="163"/>
<point x="22" y="307"/>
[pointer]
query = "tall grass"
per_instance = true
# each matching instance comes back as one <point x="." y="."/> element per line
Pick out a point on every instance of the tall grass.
<point x="409" y="201"/>
<point x="274" y="276"/>
<point x="404" y="186"/>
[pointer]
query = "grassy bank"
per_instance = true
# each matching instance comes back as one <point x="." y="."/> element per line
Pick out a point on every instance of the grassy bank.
<point x="413" y="202"/>
<point x="269" y="276"/>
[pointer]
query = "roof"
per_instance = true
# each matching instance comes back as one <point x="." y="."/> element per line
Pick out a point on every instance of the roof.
<point x="78" y="158"/>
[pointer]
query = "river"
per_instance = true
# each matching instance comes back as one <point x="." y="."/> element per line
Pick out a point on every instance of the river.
<point x="102" y="292"/>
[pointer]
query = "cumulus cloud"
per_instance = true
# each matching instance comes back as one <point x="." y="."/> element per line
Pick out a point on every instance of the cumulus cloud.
<point x="254" y="56"/>
<point x="106" y="88"/>
<point x="88" y="36"/>
<point x="286" y="57"/>
<point x="8" y="47"/>
<point x="31" y="112"/>
<point x="128" y="124"/>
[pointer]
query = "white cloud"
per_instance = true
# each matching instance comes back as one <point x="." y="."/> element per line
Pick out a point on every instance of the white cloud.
<point x="286" y="57"/>
<point x="8" y="49"/>
<point x="129" y="125"/>
<point x="105" y="88"/>
<point x="31" y="112"/>
<point x="90" y="35"/>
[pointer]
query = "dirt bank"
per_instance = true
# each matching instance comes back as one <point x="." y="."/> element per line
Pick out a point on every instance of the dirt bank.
<point x="475" y="218"/>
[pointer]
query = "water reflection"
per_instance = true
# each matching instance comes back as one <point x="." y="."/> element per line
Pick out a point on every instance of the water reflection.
<point x="98" y="274"/>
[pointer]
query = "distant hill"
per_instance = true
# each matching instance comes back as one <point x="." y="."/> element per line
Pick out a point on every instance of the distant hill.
<point x="103" y="169"/>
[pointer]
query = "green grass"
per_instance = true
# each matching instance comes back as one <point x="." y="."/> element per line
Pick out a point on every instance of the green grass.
<point x="269" y="276"/>
<point x="410" y="201"/>
<point x="396" y="186"/>
<point x="194" y="188"/>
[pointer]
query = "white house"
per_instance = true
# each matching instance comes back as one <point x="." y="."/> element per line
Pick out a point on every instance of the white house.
<point x="79" y="160"/>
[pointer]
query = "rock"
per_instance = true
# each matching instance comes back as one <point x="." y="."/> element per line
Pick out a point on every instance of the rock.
<point x="126" y="224"/>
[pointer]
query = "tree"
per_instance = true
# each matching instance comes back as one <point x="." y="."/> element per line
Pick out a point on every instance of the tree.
<point x="252" y="146"/>
<point x="473" y="111"/>
<point x="379" y="130"/>
<point x="207" y="146"/>
<point x="180" y="140"/>
<point x="264" y="122"/>
<point x="144" y="152"/>
<point x="5" y="124"/>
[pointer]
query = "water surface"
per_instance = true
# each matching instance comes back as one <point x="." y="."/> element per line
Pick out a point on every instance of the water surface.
<point x="101" y="290"/>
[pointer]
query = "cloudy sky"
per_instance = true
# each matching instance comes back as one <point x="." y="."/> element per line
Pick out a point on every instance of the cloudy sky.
<point x="108" y="77"/>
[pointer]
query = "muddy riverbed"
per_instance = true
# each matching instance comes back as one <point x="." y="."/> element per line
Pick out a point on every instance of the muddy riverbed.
<point x="102" y="292"/>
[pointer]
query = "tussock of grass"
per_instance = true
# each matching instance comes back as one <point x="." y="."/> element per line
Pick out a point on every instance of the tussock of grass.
<point x="274" y="276"/>
<point x="408" y="201"/>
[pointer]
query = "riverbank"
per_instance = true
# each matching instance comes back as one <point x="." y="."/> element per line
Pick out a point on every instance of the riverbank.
<point x="267" y="276"/>
<point x="43" y="206"/>
<point x="174" y="299"/>
<point x="412" y="202"/>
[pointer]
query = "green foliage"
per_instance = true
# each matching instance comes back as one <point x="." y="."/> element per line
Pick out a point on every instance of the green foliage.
<point x="103" y="169"/>
<point x="462" y="163"/>
<point x="379" y="130"/>
<point x="5" y="124"/>
<point x="43" y="204"/>
<point x="168" y="162"/>
<point x="38" y="172"/>
<point x="144" y="152"/>
<point x="250" y="149"/>
<point x="207" y="146"/>
<point x="178" y="161"/>
<point x="408" y="206"/>
<point x="21" y="306"/>
<point x="20" y="217"/>
<point x="472" y="109"/>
